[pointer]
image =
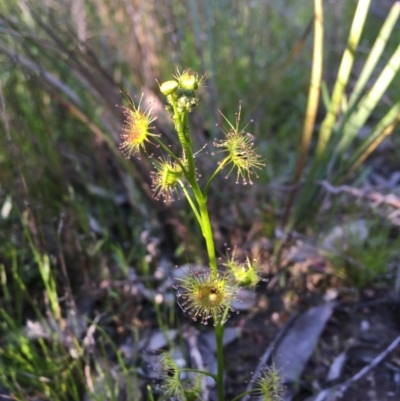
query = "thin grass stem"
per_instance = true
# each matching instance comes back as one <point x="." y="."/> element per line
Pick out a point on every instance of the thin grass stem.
<point x="313" y="99"/>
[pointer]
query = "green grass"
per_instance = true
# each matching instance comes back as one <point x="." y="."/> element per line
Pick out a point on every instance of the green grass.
<point x="360" y="261"/>
<point x="49" y="349"/>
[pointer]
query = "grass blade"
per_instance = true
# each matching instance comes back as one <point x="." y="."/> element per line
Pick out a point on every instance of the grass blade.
<point x="342" y="78"/>
<point x="383" y="129"/>
<point x="369" y="101"/>
<point x="375" y="53"/>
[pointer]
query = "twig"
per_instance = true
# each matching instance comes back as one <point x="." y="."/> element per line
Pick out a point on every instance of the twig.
<point x="376" y="197"/>
<point x="341" y="388"/>
<point x="268" y="352"/>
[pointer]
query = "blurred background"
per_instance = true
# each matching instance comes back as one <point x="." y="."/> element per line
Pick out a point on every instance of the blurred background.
<point x="85" y="250"/>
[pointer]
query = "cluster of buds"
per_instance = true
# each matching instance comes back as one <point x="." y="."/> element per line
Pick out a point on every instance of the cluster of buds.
<point x="182" y="91"/>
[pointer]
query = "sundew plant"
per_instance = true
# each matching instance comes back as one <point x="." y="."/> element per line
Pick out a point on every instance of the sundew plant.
<point x="207" y="296"/>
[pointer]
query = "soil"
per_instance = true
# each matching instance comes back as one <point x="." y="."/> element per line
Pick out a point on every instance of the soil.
<point x="363" y="327"/>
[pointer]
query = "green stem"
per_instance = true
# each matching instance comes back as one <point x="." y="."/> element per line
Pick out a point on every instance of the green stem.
<point x="182" y="128"/>
<point x="238" y="397"/>
<point x="202" y="372"/>
<point x="207" y="233"/>
<point x="192" y="205"/>
<point x="172" y="154"/>
<point x="151" y="398"/>
<point x="185" y="123"/>
<point x="219" y="336"/>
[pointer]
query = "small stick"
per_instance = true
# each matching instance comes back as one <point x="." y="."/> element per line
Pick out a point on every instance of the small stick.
<point x="341" y="388"/>
<point x="376" y="197"/>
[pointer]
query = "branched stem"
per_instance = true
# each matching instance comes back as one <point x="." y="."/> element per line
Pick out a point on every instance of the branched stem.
<point x="208" y="296"/>
<point x="182" y="128"/>
<point x="172" y="154"/>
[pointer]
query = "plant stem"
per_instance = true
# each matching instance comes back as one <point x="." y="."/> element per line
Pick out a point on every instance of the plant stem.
<point x="202" y="372"/>
<point x="238" y="397"/>
<point x="219" y="336"/>
<point x="208" y="236"/>
<point x="173" y="156"/>
<point x="182" y="128"/>
<point x="312" y="103"/>
<point x="192" y="205"/>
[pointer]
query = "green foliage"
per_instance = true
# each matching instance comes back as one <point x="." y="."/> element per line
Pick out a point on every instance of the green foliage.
<point x="339" y="152"/>
<point x="47" y="357"/>
<point x="364" y="260"/>
<point x="38" y="367"/>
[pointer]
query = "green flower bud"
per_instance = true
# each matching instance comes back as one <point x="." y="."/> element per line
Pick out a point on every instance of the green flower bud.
<point x="169" y="109"/>
<point x="168" y="87"/>
<point x="244" y="274"/>
<point x="188" y="80"/>
<point x="167" y="179"/>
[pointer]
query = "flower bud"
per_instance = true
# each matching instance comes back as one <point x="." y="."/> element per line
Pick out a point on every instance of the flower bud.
<point x="169" y="109"/>
<point x="166" y="179"/>
<point x="188" y="80"/>
<point x="245" y="274"/>
<point x="168" y="87"/>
